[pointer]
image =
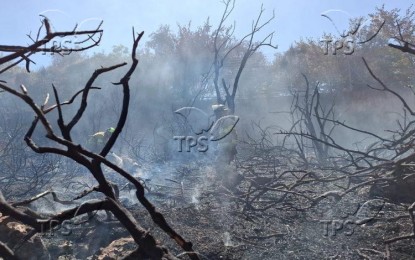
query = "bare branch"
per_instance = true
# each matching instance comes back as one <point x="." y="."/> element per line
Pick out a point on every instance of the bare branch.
<point x="23" y="52"/>
<point x="385" y="88"/>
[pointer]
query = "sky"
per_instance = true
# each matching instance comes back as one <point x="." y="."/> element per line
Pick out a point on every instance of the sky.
<point x="293" y="19"/>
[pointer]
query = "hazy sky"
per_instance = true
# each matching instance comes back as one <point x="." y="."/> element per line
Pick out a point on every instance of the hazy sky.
<point x="294" y="19"/>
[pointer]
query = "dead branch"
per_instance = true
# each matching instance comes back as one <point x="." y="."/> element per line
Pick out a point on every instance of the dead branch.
<point x="141" y="237"/>
<point x="6" y="252"/>
<point x="23" y="52"/>
<point x="92" y="161"/>
<point x="41" y="195"/>
<point x="224" y="46"/>
<point x="408" y="236"/>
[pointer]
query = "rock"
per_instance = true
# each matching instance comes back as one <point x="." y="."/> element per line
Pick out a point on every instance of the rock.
<point x="117" y="249"/>
<point x="13" y="235"/>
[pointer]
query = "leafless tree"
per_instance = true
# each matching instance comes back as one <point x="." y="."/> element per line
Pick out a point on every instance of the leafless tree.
<point x="225" y="46"/>
<point x="312" y="121"/>
<point x="62" y="144"/>
<point x="383" y="168"/>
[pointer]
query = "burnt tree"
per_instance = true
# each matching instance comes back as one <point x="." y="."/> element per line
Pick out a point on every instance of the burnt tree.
<point x="62" y="144"/>
<point x="225" y="46"/>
